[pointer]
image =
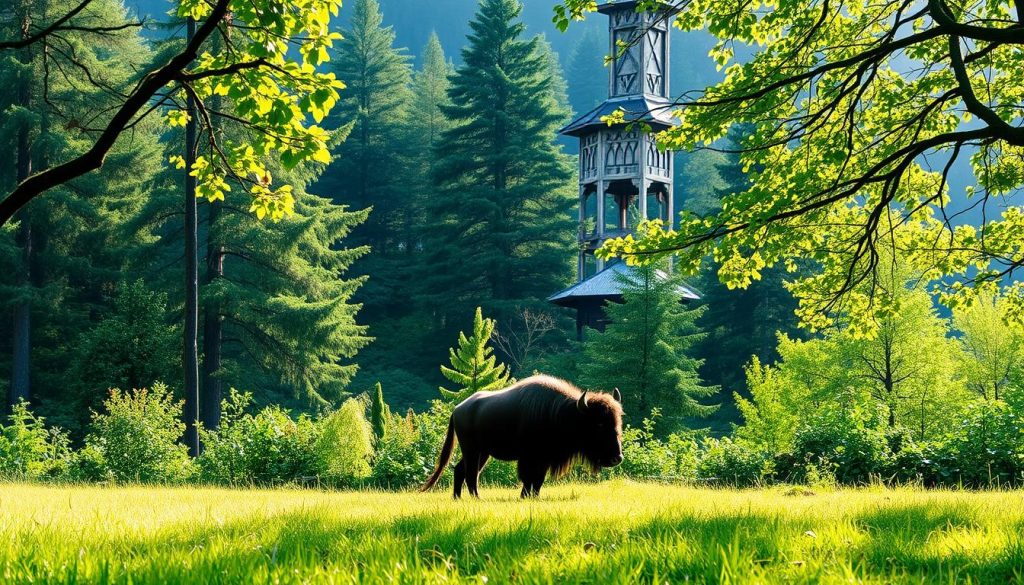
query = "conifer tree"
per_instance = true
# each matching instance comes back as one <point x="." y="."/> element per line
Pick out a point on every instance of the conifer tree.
<point x="425" y="126"/>
<point x="397" y="323"/>
<point x="379" y="412"/>
<point x="645" y="351"/>
<point x="501" y="231"/>
<point x="474" y="367"/>
<point x="60" y="258"/>
<point x="368" y="171"/>
<point x="284" y="295"/>
<point x="740" y="323"/>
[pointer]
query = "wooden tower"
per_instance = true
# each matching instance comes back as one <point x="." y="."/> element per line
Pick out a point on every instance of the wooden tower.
<point x="623" y="176"/>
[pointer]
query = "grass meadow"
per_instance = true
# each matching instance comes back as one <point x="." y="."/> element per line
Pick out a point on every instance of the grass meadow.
<point x="613" y="532"/>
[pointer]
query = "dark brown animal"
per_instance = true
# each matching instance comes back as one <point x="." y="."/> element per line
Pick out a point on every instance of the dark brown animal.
<point x="543" y="423"/>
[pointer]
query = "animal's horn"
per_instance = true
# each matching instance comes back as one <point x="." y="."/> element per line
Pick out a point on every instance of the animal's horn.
<point x="582" y="402"/>
<point x="617" y="396"/>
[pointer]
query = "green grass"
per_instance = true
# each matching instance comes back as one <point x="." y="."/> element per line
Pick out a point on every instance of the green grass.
<point x="613" y="532"/>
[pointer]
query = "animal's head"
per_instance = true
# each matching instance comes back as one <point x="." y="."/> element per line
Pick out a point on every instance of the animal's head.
<point x="601" y="428"/>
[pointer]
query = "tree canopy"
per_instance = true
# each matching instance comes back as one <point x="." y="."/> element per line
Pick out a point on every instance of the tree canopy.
<point x="269" y="71"/>
<point x="859" y="112"/>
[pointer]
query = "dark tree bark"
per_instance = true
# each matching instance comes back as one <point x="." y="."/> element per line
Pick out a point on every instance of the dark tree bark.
<point x="21" y="358"/>
<point x="191" y="329"/>
<point x="213" y="326"/>
<point x="213" y="322"/>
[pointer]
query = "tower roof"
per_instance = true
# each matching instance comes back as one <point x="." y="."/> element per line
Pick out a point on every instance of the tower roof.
<point x="653" y="111"/>
<point x="606" y="286"/>
<point x="607" y="7"/>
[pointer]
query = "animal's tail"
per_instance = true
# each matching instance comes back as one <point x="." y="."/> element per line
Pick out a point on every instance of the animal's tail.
<point x="443" y="458"/>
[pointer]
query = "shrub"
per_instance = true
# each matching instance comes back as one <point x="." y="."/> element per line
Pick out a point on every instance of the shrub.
<point x="28" y="450"/>
<point x="88" y="464"/>
<point x="987" y="450"/>
<point x="500" y="473"/>
<point x="138" y="436"/>
<point x="905" y="458"/>
<point x="344" y="445"/>
<point x="408" y="452"/>
<point x="397" y="461"/>
<point x="647" y="456"/>
<point x="267" y="448"/>
<point x="735" y="463"/>
<point x="848" y="442"/>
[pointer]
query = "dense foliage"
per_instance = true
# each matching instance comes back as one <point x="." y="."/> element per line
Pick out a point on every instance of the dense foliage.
<point x="437" y="189"/>
<point x="859" y="114"/>
<point x="645" y="349"/>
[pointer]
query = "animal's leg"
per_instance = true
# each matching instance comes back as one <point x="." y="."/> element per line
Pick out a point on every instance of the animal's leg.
<point x="483" y="462"/>
<point x="460" y="476"/>
<point x="532" y="475"/>
<point x="537" y="482"/>
<point x="473" y="461"/>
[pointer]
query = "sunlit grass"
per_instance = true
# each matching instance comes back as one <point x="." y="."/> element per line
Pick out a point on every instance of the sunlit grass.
<point x="612" y="532"/>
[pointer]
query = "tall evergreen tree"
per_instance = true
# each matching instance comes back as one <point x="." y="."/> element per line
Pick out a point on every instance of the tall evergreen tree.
<point x="646" y="350"/>
<point x="740" y="323"/>
<point x="425" y="126"/>
<point x="400" y="324"/>
<point x="379" y="412"/>
<point x="60" y="259"/>
<point x="369" y="170"/>
<point x="285" y="294"/>
<point x="501" y="228"/>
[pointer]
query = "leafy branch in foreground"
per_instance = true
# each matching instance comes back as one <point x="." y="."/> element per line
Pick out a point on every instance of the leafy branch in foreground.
<point x="859" y="112"/>
<point x="270" y="93"/>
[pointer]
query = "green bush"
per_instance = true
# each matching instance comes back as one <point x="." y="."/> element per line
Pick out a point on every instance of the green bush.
<point x="344" y="445"/>
<point x="408" y="452"/>
<point x="987" y="450"/>
<point x="28" y="450"/>
<point x="734" y="463"/>
<point x="88" y="464"/>
<point x="267" y="448"/>
<point x="397" y="461"/>
<point x="848" y="442"/>
<point x="500" y="473"/>
<point x="138" y="434"/>
<point x="905" y="458"/>
<point x="647" y="456"/>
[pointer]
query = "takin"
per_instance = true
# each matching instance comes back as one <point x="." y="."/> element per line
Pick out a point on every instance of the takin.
<point x="543" y="423"/>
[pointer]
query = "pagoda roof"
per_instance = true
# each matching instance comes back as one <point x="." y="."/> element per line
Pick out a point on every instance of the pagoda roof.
<point x="605" y="285"/>
<point x="654" y="111"/>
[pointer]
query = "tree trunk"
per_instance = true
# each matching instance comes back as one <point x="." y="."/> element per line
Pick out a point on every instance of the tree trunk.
<point x="213" y="323"/>
<point x="21" y="358"/>
<point x="191" y="329"/>
<point x="213" y="326"/>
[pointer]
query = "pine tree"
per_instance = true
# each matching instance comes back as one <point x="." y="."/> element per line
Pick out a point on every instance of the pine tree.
<point x="474" y="367"/>
<point x="427" y="122"/>
<point x="369" y="170"/>
<point x="501" y="230"/>
<point x="645" y="351"/>
<point x="396" y="323"/>
<point x="379" y="412"/>
<point x="285" y="295"/>
<point x="740" y="323"/>
<point x="60" y="256"/>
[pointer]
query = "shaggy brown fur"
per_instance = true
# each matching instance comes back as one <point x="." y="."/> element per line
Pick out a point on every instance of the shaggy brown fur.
<point x="543" y="423"/>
